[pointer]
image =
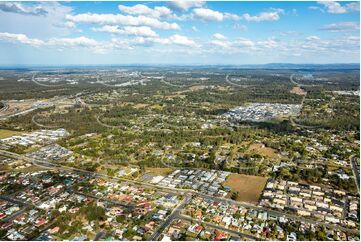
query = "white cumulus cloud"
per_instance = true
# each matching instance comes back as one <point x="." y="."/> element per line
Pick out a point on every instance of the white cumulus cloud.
<point x="20" y="38"/>
<point x="269" y="43"/>
<point x="119" y="19"/>
<point x="185" y="5"/>
<point x="78" y="41"/>
<point x="141" y="9"/>
<point x="181" y="40"/>
<point x="243" y="42"/>
<point x="264" y="16"/>
<point x="175" y="39"/>
<point x="219" y="36"/>
<point x="128" y="30"/>
<point x="19" y="8"/>
<point x="312" y="38"/>
<point x="337" y="8"/>
<point x="220" y="43"/>
<point x="207" y="14"/>
<point x="341" y="27"/>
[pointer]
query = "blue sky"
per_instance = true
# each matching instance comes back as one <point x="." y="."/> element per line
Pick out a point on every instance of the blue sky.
<point x="186" y="32"/>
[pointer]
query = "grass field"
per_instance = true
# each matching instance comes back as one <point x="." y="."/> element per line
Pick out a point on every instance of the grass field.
<point x="262" y="150"/>
<point x="249" y="187"/>
<point x="159" y="171"/>
<point x="4" y="133"/>
<point x="30" y="169"/>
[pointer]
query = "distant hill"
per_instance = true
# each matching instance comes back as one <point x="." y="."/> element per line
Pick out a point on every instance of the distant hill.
<point x="313" y="66"/>
<point x="339" y="66"/>
<point x="348" y="66"/>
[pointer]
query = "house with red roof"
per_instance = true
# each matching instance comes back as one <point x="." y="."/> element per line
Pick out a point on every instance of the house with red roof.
<point x="40" y="222"/>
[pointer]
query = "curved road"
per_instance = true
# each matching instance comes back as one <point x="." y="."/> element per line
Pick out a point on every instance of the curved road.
<point x="234" y="84"/>
<point x="170" y="84"/>
<point x="5" y="106"/>
<point x="41" y="125"/>
<point x="124" y="84"/>
<point x="45" y="85"/>
<point x="301" y="85"/>
<point x="109" y="126"/>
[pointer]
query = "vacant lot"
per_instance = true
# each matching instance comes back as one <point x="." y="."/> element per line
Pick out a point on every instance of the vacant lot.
<point x="197" y="87"/>
<point x="297" y="90"/>
<point x="5" y="133"/>
<point x="159" y="171"/>
<point x="249" y="188"/>
<point x="262" y="150"/>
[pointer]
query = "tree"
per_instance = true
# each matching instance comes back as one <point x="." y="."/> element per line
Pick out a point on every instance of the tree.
<point x="234" y="195"/>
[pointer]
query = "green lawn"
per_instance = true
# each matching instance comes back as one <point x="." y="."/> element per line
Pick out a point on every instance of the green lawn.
<point x="5" y="133"/>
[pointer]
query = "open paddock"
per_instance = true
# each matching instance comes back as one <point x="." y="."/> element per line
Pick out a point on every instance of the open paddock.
<point x="262" y="150"/>
<point x="5" y="133"/>
<point x="159" y="171"/>
<point x="249" y="188"/>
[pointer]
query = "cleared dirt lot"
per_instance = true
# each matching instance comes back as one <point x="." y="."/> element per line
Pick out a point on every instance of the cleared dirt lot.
<point x="17" y="106"/>
<point x="249" y="188"/>
<point x="298" y="90"/>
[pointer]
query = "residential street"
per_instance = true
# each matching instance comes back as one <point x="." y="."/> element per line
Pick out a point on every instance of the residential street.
<point x="176" y="213"/>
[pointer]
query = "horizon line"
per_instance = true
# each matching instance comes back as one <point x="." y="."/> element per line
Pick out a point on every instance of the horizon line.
<point x="160" y="64"/>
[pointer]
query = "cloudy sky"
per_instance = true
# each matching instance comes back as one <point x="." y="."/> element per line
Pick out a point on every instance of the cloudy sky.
<point x="187" y="32"/>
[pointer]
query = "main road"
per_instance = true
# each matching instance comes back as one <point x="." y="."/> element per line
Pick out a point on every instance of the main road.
<point x="293" y="123"/>
<point x="356" y="171"/>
